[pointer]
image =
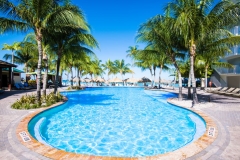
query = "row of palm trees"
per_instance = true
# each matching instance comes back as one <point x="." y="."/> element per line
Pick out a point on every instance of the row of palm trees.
<point x="26" y="53"/>
<point x="198" y="29"/>
<point x="59" y="28"/>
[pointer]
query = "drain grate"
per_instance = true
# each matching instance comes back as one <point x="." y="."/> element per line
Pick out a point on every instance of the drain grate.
<point x="211" y="131"/>
<point x="24" y="136"/>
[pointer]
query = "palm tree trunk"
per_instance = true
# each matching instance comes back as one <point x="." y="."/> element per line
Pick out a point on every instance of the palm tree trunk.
<point x="160" y="72"/>
<point x="189" y="86"/>
<point x="45" y="77"/>
<point x="180" y="79"/>
<point x="151" y="75"/>
<point x="78" y="82"/>
<point x="154" y="75"/>
<point x="122" y="79"/>
<point x="194" y="95"/>
<point x="39" y="67"/>
<point x="206" y="69"/>
<point x="71" y="77"/>
<point x="56" y="77"/>
<point x="180" y="86"/>
<point x="174" y="82"/>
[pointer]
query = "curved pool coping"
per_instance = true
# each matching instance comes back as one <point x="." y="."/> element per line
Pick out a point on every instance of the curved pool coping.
<point x="53" y="153"/>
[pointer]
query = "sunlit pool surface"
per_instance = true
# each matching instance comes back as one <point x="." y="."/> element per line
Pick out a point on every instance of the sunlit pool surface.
<point x="122" y="122"/>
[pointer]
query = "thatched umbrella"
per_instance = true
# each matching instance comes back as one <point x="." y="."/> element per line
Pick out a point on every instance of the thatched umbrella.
<point x="115" y="80"/>
<point x="87" y="80"/>
<point x="132" y="80"/>
<point x="144" y="79"/>
<point x="99" y="79"/>
<point x="76" y="79"/>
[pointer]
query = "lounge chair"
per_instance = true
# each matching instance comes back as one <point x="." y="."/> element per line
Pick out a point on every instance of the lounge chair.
<point x="221" y="90"/>
<point x="233" y="92"/>
<point x="227" y="91"/>
<point x="213" y="89"/>
<point x="17" y="86"/>
<point x="1" y="91"/>
<point x="26" y="84"/>
<point x="22" y="86"/>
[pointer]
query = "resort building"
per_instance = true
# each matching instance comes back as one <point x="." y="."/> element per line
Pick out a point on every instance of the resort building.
<point x="229" y="77"/>
<point x="5" y="75"/>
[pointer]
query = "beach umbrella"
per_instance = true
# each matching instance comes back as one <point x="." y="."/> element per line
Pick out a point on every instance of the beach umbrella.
<point x="132" y="80"/>
<point x="76" y="79"/>
<point x="101" y="80"/>
<point x="94" y="80"/>
<point x="115" y="80"/>
<point x="87" y="80"/>
<point x="144" y="79"/>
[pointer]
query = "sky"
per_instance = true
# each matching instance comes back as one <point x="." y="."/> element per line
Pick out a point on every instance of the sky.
<point x="114" y="24"/>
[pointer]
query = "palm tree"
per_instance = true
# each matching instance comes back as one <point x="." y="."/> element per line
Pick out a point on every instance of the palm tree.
<point x="73" y="40"/>
<point x="122" y="68"/>
<point x="132" y="51"/>
<point x="13" y="47"/>
<point x="39" y="15"/>
<point x="23" y="55"/>
<point x="95" y="68"/>
<point x="196" y="20"/>
<point x="156" y="32"/>
<point x="81" y="66"/>
<point x="109" y="66"/>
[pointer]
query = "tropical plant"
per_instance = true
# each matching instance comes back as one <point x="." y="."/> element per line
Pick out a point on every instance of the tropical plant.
<point x="196" y="21"/>
<point x="132" y="51"/>
<point x="40" y="16"/>
<point x="156" y="32"/>
<point x="30" y="101"/>
<point x="121" y="67"/>
<point x="73" y="40"/>
<point x="110" y="67"/>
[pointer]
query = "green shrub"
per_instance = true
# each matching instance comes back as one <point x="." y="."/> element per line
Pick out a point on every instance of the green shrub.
<point x="30" y="101"/>
<point x="75" y="87"/>
<point x="32" y="82"/>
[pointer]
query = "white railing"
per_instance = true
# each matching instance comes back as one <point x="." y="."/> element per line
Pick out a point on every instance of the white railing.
<point x="234" y="70"/>
<point x="235" y="51"/>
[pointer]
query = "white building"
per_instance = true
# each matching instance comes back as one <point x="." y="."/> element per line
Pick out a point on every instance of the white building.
<point x="226" y="77"/>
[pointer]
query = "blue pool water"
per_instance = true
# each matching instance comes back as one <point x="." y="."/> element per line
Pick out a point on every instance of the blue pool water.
<point x="122" y="122"/>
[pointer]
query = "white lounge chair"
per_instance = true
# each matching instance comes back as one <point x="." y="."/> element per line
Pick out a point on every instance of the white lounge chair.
<point x="233" y="92"/>
<point x="227" y="91"/>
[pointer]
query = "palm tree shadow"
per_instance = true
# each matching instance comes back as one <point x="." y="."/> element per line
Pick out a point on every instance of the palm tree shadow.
<point x="215" y="98"/>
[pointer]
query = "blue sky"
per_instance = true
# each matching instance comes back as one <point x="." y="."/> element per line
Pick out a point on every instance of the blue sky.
<point x="114" y="24"/>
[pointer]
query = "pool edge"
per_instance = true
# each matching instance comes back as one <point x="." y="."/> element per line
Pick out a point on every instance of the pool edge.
<point x="181" y="153"/>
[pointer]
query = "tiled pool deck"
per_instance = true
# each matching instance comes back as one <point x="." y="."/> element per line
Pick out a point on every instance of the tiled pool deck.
<point x="224" y="111"/>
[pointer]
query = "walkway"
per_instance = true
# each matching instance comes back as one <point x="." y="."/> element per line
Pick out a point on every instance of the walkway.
<point x="225" y="111"/>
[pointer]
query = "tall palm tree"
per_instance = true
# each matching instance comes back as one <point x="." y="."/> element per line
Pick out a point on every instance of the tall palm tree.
<point x="73" y="53"/>
<point x="15" y="46"/>
<point x="122" y="68"/>
<point x="73" y="39"/>
<point x="94" y="68"/>
<point x="132" y="51"/>
<point x="109" y="66"/>
<point x="156" y="32"/>
<point x="39" y="15"/>
<point x="23" y="55"/>
<point x="81" y="66"/>
<point x="196" y="20"/>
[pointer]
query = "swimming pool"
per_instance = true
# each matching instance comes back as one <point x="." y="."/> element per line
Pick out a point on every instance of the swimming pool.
<point x="122" y="122"/>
